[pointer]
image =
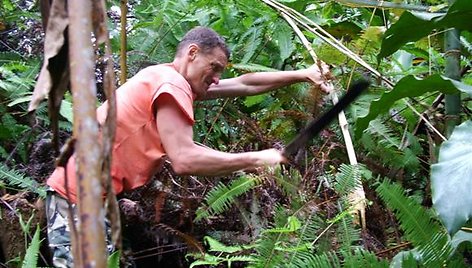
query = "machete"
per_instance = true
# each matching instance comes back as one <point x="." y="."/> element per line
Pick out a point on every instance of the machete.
<point x="315" y="126"/>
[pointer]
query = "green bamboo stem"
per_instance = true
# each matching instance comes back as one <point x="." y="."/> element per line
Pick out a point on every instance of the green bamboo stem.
<point x="452" y="70"/>
<point x="452" y="48"/>
<point x="390" y="5"/>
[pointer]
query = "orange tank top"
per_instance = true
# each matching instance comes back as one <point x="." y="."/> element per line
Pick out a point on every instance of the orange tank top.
<point x="137" y="149"/>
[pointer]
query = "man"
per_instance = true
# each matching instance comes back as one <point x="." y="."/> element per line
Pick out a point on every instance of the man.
<point x="155" y="120"/>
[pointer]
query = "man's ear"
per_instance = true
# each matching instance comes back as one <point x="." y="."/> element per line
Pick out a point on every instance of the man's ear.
<point x="192" y="51"/>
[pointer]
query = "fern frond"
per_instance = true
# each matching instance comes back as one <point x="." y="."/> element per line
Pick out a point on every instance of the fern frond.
<point x="288" y="180"/>
<point x="242" y="258"/>
<point x="311" y="229"/>
<point x="347" y="179"/>
<point x="204" y="259"/>
<point x="252" y="67"/>
<point x="113" y="261"/>
<point x="9" y="57"/>
<point x="387" y="138"/>
<point x="362" y="258"/>
<point x="216" y="246"/>
<point x="290" y="245"/>
<point x="31" y="256"/>
<point x="189" y="240"/>
<point x="414" y="219"/>
<point x="250" y="41"/>
<point x="322" y="260"/>
<point x="221" y="196"/>
<point x="281" y="214"/>
<point x="225" y="254"/>
<point x="429" y="237"/>
<point x="437" y="250"/>
<point x="347" y="233"/>
<point x="271" y="244"/>
<point x="406" y="259"/>
<point x="15" y="178"/>
<point x="466" y="44"/>
<point x="384" y="144"/>
<point x="266" y="253"/>
<point x="292" y="225"/>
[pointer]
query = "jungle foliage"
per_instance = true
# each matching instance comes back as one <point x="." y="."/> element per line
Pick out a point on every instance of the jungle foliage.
<point x="416" y="177"/>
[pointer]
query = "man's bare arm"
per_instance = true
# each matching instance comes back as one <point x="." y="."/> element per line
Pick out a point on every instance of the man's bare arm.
<point x="261" y="82"/>
<point x="187" y="158"/>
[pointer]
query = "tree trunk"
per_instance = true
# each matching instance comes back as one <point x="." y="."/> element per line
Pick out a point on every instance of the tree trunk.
<point x="91" y="231"/>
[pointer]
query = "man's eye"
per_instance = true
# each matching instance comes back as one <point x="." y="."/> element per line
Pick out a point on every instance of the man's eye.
<point x="214" y="67"/>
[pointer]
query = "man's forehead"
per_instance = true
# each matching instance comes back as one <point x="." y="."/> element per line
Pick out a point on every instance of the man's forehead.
<point x="219" y="57"/>
<point x="218" y="51"/>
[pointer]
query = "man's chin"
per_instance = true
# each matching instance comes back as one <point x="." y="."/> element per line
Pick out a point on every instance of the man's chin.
<point x="200" y="95"/>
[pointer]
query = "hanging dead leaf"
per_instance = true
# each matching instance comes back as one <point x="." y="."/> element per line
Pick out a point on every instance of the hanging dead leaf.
<point x="54" y="75"/>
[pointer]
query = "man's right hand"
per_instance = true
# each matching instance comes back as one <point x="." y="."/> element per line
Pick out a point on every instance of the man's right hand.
<point x="320" y="76"/>
<point x="269" y="158"/>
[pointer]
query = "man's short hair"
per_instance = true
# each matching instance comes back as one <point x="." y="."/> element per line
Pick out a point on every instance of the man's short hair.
<point x="205" y="38"/>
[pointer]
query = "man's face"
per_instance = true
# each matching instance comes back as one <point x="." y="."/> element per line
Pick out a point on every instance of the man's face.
<point x="206" y="69"/>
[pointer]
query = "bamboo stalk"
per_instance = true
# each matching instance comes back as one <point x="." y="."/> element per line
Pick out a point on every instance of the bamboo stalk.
<point x="390" y="5"/>
<point x="342" y="117"/>
<point x="328" y="38"/>
<point x="357" y="197"/>
<point x="452" y="47"/>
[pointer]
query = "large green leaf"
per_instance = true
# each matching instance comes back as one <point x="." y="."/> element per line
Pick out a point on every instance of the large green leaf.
<point x="409" y="86"/>
<point x="458" y="16"/>
<point x="461" y="237"/>
<point x="414" y="26"/>
<point x="409" y="28"/>
<point x="451" y="179"/>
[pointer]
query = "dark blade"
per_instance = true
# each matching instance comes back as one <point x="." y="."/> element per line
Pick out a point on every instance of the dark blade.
<point x="317" y="125"/>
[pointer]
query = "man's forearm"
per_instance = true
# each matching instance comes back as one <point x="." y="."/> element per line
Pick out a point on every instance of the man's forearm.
<point x="255" y="83"/>
<point x="202" y="161"/>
